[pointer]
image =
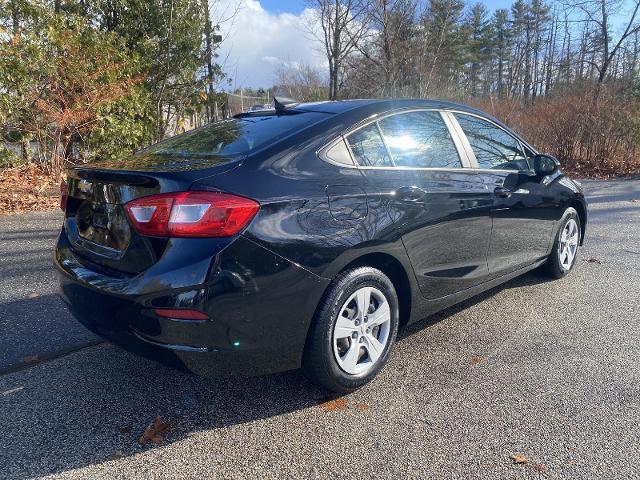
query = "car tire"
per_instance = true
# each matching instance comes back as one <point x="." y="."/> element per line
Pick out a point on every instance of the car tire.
<point x="566" y="245"/>
<point x="353" y="331"/>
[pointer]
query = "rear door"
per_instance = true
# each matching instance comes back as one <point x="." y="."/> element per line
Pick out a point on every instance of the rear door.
<point x="523" y="209"/>
<point x="440" y="209"/>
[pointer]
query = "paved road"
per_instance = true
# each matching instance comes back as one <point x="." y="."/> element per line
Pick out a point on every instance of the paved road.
<point x="34" y="323"/>
<point x="545" y="369"/>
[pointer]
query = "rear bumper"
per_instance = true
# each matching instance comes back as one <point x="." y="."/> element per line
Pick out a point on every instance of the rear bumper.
<point x="259" y="306"/>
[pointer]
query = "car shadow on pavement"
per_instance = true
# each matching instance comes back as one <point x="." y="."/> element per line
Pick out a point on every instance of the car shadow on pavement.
<point x="38" y="328"/>
<point x="533" y="277"/>
<point x="91" y="407"/>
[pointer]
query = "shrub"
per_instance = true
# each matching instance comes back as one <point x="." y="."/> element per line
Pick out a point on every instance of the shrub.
<point x="590" y="137"/>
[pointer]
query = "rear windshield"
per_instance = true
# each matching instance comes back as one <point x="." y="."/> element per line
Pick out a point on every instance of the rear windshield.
<point x="229" y="138"/>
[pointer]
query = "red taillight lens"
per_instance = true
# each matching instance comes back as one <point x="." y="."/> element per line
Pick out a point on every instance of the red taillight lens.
<point x="180" y="313"/>
<point x="191" y="214"/>
<point x="63" y="195"/>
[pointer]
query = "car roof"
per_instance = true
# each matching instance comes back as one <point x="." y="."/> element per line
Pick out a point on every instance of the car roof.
<point x="341" y="106"/>
<point x="351" y="112"/>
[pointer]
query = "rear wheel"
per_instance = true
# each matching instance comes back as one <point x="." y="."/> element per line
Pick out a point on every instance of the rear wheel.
<point x="353" y="331"/>
<point x="565" y="248"/>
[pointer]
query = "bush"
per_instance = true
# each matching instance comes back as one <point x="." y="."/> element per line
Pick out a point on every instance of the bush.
<point x="590" y="138"/>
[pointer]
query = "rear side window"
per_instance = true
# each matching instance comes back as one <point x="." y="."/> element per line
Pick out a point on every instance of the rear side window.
<point x="236" y="136"/>
<point x="420" y="140"/>
<point x="368" y="148"/>
<point x="339" y="153"/>
<point x="493" y="147"/>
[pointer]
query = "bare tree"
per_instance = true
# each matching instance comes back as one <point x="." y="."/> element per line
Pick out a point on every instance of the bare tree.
<point x="302" y="82"/>
<point x="605" y="48"/>
<point x="342" y="24"/>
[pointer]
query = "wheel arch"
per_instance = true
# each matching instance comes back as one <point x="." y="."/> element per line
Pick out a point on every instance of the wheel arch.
<point x="392" y="268"/>
<point x="582" y="214"/>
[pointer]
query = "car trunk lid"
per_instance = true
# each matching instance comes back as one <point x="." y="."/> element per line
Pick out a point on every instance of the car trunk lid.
<point x="97" y="224"/>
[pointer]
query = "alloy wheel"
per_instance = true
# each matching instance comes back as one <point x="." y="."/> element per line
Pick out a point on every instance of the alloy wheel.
<point x="568" y="245"/>
<point x="361" y="331"/>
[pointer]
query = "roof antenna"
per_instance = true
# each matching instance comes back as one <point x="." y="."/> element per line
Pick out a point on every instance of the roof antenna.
<point x="283" y="103"/>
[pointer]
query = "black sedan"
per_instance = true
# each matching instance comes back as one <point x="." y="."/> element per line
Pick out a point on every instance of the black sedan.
<point x="308" y="234"/>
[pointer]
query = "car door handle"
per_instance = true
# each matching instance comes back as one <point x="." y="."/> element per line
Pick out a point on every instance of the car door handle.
<point x="502" y="192"/>
<point x="410" y="194"/>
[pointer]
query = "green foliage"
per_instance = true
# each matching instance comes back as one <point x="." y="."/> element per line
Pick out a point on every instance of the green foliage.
<point x="98" y="80"/>
<point x="9" y="158"/>
<point x="122" y="127"/>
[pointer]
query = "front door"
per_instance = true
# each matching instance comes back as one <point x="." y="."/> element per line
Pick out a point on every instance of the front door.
<point x="441" y="210"/>
<point x="523" y="210"/>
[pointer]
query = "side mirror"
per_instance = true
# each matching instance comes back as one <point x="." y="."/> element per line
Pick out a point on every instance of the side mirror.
<point x="545" y="164"/>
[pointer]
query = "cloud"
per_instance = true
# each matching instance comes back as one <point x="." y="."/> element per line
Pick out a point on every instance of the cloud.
<point x="257" y="42"/>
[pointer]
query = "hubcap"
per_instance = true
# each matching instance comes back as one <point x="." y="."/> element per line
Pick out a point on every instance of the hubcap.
<point x="568" y="245"/>
<point x="361" y="330"/>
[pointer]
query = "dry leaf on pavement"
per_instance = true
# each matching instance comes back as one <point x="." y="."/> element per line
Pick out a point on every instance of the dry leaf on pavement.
<point x="475" y="360"/>
<point x="593" y="260"/>
<point x="334" y="404"/>
<point x="155" y="432"/>
<point x="519" y="458"/>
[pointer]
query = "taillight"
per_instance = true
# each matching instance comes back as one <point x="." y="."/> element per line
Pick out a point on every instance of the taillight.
<point x="63" y="195"/>
<point x="191" y="214"/>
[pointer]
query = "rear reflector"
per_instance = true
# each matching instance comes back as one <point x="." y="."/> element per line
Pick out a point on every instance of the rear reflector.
<point x="63" y="195"/>
<point x="181" y="313"/>
<point x="191" y="214"/>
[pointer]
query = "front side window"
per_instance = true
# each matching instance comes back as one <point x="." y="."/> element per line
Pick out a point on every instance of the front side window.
<point x="420" y="140"/>
<point x="493" y="147"/>
<point x="368" y="148"/>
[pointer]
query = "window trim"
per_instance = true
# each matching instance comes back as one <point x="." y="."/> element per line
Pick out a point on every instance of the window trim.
<point x="471" y="153"/>
<point x="462" y="155"/>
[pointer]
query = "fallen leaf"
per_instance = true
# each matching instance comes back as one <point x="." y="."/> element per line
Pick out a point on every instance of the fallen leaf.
<point x="116" y="455"/>
<point x="27" y="188"/>
<point x="126" y="429"/>
<point x="362" y="407"/>
<point x="475" y="360"/>
<point x="519" y="459"/>
<point x="29" y="359"/>
<point x="592" y="260"/>
<point x="332" y="405"/>
<point x="155" y="432"/>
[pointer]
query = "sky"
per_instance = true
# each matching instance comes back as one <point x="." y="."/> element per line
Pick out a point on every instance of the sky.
<point x="263" y="35"/>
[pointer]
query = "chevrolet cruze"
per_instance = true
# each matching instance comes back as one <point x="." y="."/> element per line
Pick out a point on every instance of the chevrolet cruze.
<point x="308" y="234"/>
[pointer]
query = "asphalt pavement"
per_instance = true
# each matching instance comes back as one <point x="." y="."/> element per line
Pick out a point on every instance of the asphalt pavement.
<point x="34" y="323"/>
<point x="546" y="372"/>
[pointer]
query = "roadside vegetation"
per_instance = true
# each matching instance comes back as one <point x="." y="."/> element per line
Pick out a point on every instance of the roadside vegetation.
<point x="81" y="81"/>
<point x="85" y="80"/>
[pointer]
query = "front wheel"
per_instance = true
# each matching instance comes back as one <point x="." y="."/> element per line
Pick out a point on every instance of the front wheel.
<point x="566" y="245"/>
<point x="353" y="331"/>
